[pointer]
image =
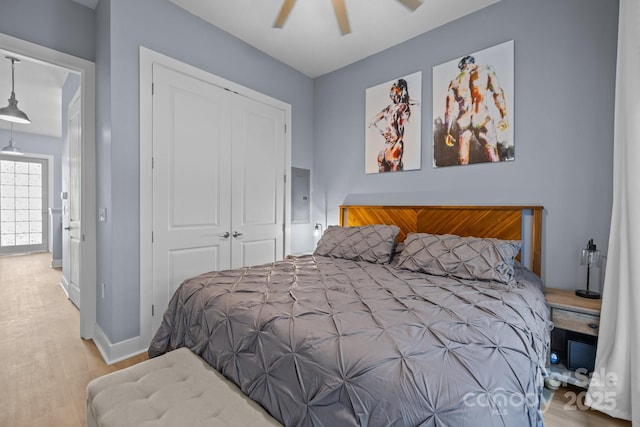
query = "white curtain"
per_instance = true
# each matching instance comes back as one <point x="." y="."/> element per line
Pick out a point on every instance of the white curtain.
<point x="615" y="386"/>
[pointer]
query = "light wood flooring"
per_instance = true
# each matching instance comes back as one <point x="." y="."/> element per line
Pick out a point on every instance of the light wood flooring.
<point x="45" y="366"/>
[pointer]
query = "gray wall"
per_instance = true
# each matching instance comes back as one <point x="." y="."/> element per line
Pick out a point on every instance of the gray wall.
<point x="165" y="28"/>
<point x="565" y="57"/>
<point x="63" y="25"/>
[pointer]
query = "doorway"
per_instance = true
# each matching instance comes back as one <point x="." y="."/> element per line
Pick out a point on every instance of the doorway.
<point x="87" y="253"/>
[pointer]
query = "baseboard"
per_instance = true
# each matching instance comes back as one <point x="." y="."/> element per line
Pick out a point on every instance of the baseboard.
<point x="56" y="263"/>
<point x="113" y="353"/>
<point x="64" y="285"/>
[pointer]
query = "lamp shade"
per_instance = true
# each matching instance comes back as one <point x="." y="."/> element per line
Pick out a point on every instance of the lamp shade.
<point x="12" y="113"/>
<point x="11" y="149"/>
<point x="589" y="257"/>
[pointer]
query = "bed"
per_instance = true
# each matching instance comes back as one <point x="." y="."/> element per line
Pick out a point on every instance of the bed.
<point x="403" y="316"/>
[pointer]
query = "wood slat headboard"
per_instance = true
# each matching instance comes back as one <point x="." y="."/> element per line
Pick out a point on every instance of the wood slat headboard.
<point x="501" y="222"/>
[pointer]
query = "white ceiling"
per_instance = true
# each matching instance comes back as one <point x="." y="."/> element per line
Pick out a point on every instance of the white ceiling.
<point x="310" y="40"/>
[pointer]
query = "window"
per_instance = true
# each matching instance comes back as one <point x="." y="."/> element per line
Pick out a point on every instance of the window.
<point x="23" y="205"/>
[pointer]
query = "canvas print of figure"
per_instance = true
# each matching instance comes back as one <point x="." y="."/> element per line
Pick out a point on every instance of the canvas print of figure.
<point x="392" y="141"/>
<point x="473" y="108"/>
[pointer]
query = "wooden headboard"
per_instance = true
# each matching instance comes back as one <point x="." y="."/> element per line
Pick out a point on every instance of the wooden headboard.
<point x="501" y="222"/>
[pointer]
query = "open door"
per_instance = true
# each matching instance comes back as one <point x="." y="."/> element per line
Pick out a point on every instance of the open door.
<point x="72" y="216"/>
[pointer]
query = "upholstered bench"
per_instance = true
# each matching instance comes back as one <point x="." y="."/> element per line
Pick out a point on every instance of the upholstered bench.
<point x="175" y="389"/>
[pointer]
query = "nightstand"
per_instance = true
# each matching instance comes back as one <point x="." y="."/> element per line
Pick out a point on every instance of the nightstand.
<point x="580" y="316"/>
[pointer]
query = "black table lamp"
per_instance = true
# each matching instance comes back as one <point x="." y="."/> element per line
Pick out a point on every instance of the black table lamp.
<point x="591" y="258"/>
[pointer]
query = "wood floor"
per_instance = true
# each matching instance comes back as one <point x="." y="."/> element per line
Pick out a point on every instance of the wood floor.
<point x="45" y="366"/>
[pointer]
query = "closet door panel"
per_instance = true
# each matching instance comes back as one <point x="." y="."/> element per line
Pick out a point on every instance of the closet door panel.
<point x="191" y="190"/>
<point x="194" y="185"/>
<point x="257" y="182"/>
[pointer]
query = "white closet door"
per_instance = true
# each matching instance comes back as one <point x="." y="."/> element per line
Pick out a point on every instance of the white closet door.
<point x="257" y="180"/>
<point x="191" y="192"/>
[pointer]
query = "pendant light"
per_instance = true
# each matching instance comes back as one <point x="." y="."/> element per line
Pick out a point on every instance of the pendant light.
<point x="11" y="149"/>
<point x="11" y="112"/>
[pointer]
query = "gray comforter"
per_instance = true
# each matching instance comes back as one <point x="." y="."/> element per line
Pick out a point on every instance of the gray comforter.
<point x="331" y="342"/>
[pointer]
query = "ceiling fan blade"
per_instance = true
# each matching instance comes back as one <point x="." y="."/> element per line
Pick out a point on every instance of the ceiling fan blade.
<point x="341" y="15"/>
<point x="411" y="4"/>
<point x="284" y="13"/>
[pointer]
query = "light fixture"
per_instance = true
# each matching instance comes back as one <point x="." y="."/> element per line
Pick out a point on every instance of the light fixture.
<point x="317" y="230"/>
<point x="11" y="112"/>
<point x="11" y="149"/>
<point x="590" y="257"/>
<point x="340" y="10"/>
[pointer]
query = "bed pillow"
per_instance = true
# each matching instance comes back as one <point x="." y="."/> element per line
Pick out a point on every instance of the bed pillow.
<point x="523" y="275"/>
<point x="372" y="243"/>
<point x="463" y="257"/>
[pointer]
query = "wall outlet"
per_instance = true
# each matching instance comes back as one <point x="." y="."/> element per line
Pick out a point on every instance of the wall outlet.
<point x="102" y="289"/>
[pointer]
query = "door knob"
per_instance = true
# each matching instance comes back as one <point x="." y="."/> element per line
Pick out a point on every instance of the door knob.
<point x="236" y="234"/>
<point x="225" y="235"/>
<point x="67" y="228"/>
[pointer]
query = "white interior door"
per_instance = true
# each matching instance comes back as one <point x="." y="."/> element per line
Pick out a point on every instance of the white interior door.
<point x="191" y="191"/>
<point x="74" y="215"/>
<point x="257" y="180"/>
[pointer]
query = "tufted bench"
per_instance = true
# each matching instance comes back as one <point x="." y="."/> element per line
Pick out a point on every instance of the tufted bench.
<point x="175" y="389"/>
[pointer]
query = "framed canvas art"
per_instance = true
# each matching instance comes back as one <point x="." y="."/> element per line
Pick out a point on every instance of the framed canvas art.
<point x="393" y="120"/>
<point x="473" y="108"/>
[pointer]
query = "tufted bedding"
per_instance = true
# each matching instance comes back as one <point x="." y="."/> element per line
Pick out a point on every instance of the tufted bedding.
<point x="320" y="341"/>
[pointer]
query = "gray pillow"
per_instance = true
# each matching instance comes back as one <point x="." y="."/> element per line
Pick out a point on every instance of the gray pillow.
<point x="372" y="243"/>
<point x="523" y="275"/>
<point x="463" y="257"/>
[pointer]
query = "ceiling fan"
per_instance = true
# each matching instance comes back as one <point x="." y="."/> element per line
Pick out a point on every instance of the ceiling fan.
<point x="340" y="10"/>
